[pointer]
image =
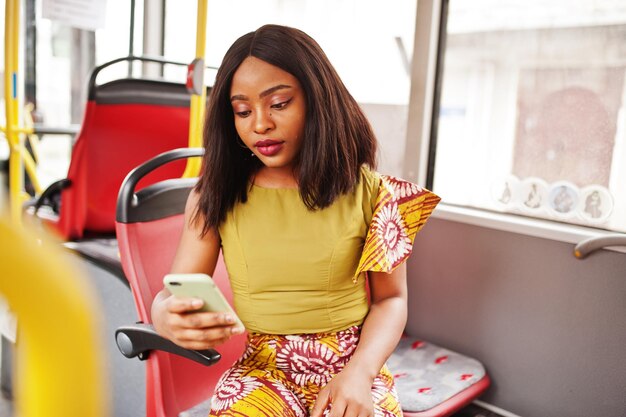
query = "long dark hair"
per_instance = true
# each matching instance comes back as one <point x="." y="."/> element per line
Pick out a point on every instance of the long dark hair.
<point x="337" y="139"/>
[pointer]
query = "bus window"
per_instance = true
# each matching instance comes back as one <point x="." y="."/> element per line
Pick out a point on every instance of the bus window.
<point x="532" y="117"/>
<point x="56" y="72"/>
<point x="365" y="40"/>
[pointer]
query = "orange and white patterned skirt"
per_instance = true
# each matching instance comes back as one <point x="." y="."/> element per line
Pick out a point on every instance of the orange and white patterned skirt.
<point x="281" y="375"/>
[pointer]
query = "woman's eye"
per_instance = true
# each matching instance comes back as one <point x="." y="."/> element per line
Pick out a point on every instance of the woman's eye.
<point x="281" y="105"/>
<point x="244" y="113"/>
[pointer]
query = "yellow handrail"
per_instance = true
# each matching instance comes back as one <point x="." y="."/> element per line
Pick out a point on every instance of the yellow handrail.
<point x="31" y="167"/>
<point x="16" y="178"/>
<point x="27" y="130"/>
<point x="60" y="370"/>
<point x="198" y="101"/>
<point x="30" y="161"/>
<point x="19" y="158"/>
<point x="29" y="127"/>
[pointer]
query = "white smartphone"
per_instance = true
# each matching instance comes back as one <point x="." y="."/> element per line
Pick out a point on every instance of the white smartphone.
<point x="200" y="286"/>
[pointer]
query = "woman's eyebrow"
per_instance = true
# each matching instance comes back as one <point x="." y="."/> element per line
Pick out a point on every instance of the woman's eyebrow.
<point x="273" y="89"/>
<point x="263" y="93"/>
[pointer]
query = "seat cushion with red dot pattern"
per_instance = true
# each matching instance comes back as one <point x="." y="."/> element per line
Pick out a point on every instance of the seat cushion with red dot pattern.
<point x="427" y="375"/>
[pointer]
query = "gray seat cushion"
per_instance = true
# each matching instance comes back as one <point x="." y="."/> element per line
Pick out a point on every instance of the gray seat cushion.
<point x="427" y="375"/>
<point x="200" y="410"/>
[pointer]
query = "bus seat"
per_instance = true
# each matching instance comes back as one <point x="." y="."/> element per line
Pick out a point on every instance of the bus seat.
<point x="431" y="381"/>
<point x="149" y="223"/>
<point x="126" y="122"/>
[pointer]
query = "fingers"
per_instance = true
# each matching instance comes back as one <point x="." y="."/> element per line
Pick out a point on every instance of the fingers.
<point x="183" y="305"/>
<point x="201" y="320"/>
<point x="201" y="337"/>
<point x="197" y="330"/>
<point x="323" y="399"/>
<point x="343" y="409"/>
<point x="209" y="334"/>
<point x="340" y="406"/>
<point x="200" y="345"/>
<point x="183" y="313"/>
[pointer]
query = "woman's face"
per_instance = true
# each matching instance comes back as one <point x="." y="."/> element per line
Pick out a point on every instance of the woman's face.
<point x="269" y="108"/>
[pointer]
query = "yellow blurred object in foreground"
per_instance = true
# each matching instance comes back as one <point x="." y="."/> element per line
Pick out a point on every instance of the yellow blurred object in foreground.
<point x="60" y="369"/>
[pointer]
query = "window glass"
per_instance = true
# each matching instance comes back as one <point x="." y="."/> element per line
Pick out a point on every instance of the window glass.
<point x="532" y="118"/>
<point x="366" y="40"/>
<point x="65" y="58"/>
<point x="59" y="45"/>
<point x="113" y="40"/>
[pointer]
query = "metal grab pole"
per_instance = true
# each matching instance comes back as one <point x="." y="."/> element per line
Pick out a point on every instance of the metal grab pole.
<point x="11" y="42"/>
<point x="198" y="101"/>
<point x="131" y="41"/>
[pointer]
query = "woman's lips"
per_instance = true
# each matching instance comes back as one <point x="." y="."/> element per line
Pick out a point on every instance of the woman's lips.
<point x="269" y="147"/>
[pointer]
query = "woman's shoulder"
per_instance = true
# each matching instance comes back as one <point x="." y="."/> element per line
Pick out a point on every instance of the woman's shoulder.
<point x="397" y="186"/>
<point x="369" y="183"/>
<point x="380" y="187"/>
<point x="370" y="178"/>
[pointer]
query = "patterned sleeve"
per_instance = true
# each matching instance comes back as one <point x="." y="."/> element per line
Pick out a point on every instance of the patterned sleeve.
<point x="400" y="212"/>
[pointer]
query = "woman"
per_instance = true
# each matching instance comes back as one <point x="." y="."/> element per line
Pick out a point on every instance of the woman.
<point x="288" y="193"/>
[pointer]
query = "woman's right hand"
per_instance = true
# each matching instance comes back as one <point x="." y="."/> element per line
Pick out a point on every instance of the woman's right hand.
<point x="179" y="320"/>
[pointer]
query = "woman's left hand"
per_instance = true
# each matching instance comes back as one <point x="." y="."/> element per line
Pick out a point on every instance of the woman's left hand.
<point x="349" y="394"/>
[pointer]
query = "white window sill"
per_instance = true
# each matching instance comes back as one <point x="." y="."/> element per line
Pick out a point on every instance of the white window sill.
<point x="522" y="225"/>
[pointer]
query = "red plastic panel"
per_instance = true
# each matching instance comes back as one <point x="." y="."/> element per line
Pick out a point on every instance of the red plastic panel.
<point x="114" y="139"/>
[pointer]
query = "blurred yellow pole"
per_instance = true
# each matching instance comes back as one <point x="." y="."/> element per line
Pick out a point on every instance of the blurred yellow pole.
<point x="198" y="102"/>
<point x="11" y="40"/>
<point x="27" y="130"/>
<point x="60" y="369"/>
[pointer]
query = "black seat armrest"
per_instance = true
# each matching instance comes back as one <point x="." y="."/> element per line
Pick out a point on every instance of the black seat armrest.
<point x="51" y="196"/>
<point x="139" y="339"/>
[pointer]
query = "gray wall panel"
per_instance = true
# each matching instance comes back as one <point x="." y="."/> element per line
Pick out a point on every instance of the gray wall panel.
<point x="550" y="329"/>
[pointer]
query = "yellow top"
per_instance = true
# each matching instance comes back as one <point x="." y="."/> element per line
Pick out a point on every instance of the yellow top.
<point x="291" y="269"/>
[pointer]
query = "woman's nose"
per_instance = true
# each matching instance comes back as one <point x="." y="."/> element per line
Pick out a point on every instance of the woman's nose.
<point x="263" y="122"/>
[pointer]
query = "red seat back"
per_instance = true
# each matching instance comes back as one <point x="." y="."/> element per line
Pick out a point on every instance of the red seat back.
<point x="126" y="122"/>
<point x="147" y="249"/>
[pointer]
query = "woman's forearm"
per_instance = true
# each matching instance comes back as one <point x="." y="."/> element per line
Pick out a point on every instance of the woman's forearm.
<point x="380" y="334"/>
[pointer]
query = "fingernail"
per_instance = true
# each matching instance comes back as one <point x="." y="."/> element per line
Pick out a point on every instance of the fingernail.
<point x="236" y="330"/>
<point x="228" y="318"/>
<point x="196" y="303"/>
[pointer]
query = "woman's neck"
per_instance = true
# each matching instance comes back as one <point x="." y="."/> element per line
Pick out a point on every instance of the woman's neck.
<point x="276" y="178"/>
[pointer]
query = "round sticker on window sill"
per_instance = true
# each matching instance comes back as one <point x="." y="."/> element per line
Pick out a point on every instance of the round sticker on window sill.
<point x="533" y="193"/>
<point x="563" y="198"/>
<point x="505" y="192"/>
<point x="596" y="204"/>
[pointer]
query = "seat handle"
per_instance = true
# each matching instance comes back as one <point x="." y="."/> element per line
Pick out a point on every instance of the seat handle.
<point x="143" y="58"/>
<point x="126" y="197"/>
<point x="139" y="339"/>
